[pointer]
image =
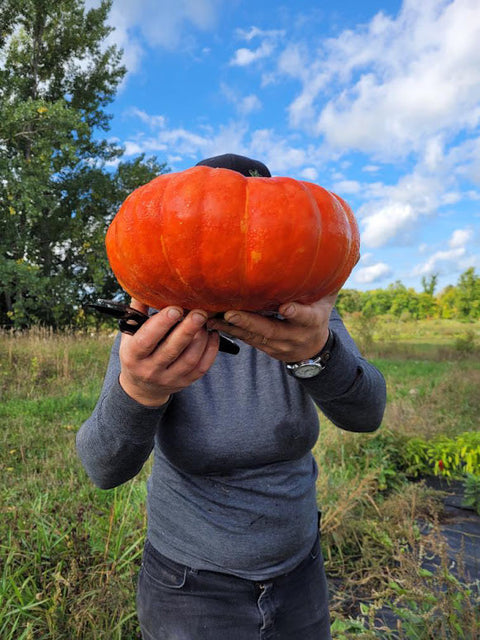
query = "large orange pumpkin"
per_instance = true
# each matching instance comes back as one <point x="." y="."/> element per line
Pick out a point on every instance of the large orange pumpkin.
<point x="216" y="240"/>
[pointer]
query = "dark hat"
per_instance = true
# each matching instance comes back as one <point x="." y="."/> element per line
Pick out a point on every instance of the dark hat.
<point x="242" y="164"/>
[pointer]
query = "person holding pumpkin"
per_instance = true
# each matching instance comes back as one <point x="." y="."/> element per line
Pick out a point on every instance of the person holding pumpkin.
<point x="232" y="548"/>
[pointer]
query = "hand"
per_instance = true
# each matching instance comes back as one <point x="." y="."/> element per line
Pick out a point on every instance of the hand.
<point x="301" y="335"/>
<point x="154" y="366"/>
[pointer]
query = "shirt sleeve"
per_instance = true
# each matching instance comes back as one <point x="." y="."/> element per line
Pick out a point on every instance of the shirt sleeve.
<point x="117" y="439"/>
<point x="350" y="391"/>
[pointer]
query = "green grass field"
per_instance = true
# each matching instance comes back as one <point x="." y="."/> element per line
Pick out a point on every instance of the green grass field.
<point x="69" y="552"/>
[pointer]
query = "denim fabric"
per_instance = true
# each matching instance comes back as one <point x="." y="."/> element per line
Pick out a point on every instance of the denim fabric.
<point x="175" y="602"/>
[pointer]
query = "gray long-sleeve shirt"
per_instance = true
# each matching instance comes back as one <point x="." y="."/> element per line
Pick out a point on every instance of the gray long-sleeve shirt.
<point x="232" y="487"/>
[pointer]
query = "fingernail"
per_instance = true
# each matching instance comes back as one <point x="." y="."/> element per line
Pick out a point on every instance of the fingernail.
<point x="232" y="318"/>
<point x="199" y="317"/>
<point x="289" y="311"/>
<point x="174" y="314"/>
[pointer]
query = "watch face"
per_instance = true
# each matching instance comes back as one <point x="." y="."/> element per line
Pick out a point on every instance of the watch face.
<point x="307" y="370"/>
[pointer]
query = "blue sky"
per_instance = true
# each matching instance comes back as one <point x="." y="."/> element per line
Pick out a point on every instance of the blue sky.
<point x="376" y="101"/>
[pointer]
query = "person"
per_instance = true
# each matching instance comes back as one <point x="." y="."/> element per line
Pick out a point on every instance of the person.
<point x="232" y="547"/>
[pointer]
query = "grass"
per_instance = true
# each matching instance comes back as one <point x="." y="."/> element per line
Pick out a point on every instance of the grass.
<point x="69" y="553"/>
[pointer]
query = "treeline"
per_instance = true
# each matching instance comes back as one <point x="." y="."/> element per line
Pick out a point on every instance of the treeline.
<point x="460" y="301"/>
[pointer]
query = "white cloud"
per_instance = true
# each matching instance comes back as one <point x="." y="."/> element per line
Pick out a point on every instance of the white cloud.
<point x="176" y="140"/>
<point x="280" y="153"/>
<point x="244" y="56"/>
<point x="396" y="82"/>
<point x="255" y="32"/>
<point x="153" y="121"/>
<point x="385" y="223"/>
<point x="166" y="25"/>
<point x="441" y="261"/>
<point x="465" y="159"/>
<point x="134" y="149"/>
<point x="292" y="61"/>
<point x="244" y="105"/>
<point x="460" y="237"/>
<point x="347" y="186"/>
<point x="269" y="39"/>
<point x="309" y="173"/>
<point x="372" y="273"/>
<point x="452" y="260"/>
<point x="249" y="104"/>
<point x="392" y="212"/>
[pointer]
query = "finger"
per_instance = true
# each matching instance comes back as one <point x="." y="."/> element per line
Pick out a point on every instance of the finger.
<point x="188" y="359"/>
<point x="180" y="338"/>
<point x="250" y="327"/>
<point x="146" y="339"/>
<point x="308" y="315"/>
<point x="139" y="306"/>
<point x="210" y="353"/>
<point x="197" y="357"/>
<point x="298" y="314"/>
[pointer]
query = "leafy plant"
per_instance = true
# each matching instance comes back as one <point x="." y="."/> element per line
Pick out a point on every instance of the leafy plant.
<point x="466" y="343"/>
<point x="471" y="486"/>
<point x="451" y="457"/>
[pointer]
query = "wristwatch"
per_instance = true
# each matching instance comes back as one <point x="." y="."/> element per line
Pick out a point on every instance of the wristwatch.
<point x="312" y="367"/>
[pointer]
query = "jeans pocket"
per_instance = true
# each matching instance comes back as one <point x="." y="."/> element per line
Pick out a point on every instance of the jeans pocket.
<point x="161" y="570"/>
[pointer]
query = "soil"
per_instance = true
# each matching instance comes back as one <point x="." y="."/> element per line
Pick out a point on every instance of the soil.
<point x="460" y="527"/>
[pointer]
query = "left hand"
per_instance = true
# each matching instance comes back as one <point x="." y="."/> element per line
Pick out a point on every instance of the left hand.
<point x="301" y="335"/>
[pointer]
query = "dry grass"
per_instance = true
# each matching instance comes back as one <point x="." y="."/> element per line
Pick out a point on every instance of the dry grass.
<point x="70" y="553"/>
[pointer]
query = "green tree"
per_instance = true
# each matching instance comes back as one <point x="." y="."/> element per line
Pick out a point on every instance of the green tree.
<point x="349" y="301"/>
<point x="446" y="301"/>
<point x="427" y="305"/>
<point x="377" y="302"/>
<point x="429" y="284"/>
<point x="405" y="301"/>
<point x="58" y="190"/>
<point x="468" y="295"/>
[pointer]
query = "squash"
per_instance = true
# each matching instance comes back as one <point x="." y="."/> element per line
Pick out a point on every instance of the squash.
<point x="214" y="239"/>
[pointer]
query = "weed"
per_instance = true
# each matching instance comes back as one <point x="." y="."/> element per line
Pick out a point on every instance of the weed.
<point x="69" y="553"/>
<point x="471" y="486"/>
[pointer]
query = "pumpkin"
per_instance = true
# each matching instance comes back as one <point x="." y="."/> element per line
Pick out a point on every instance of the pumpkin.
<point x="213" y="239"/>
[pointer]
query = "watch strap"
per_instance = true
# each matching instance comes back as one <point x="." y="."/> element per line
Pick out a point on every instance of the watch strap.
<point x="325" y="352"/>
<point x="320" y="359"/>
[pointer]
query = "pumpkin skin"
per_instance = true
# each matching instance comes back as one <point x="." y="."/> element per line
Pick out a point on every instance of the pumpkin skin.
<point x="216" y="240"/>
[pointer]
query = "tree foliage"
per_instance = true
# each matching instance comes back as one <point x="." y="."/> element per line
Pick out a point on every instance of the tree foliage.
<point x="61" y="180"/>
<point x="461" y="301"/>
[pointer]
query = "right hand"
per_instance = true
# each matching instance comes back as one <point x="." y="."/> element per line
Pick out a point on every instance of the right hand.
<point x="152" y="368"/>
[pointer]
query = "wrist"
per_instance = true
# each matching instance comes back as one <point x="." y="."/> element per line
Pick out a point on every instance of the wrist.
<point x="311" y="367"/>
<point x="143" y="397"/>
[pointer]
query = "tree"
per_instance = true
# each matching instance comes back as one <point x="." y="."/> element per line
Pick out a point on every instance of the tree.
<point x="57" y="188"/>
<point x="349" y="301"/>
<point x="468" y="295"/>
<point x="429" y="284"/>
<point x="377" y="302"/>
<point x="405" y="301"/>
<point x="447" y="302"/>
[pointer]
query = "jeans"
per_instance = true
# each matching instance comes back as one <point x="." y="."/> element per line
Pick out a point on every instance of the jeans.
<point x="175" y="602"/>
